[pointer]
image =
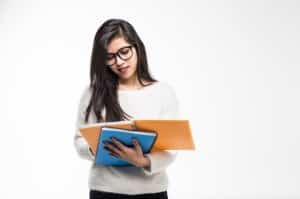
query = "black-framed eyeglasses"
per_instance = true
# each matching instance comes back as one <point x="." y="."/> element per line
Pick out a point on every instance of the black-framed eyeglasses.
<point x="123" y="53"/>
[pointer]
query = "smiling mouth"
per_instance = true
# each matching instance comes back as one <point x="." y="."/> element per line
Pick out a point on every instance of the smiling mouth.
<point x="123" y="69"/>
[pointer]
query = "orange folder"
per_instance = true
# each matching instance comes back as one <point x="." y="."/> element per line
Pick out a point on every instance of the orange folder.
<point x="92" y="132"/>
<point x="171" y="134"/>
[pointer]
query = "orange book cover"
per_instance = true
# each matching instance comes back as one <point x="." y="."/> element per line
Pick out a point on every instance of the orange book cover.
<point x="92" y="132"/>
<point x="172" y="134"/>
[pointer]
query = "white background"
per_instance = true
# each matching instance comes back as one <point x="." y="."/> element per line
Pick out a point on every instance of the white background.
<point x="234" y="66"/>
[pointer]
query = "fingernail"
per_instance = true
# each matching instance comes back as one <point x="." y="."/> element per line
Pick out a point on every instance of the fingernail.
<point x="112" y="154"/>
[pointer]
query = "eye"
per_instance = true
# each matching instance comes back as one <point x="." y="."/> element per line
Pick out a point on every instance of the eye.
<point x="109" y="57"/>
<point x="124" y="51"/>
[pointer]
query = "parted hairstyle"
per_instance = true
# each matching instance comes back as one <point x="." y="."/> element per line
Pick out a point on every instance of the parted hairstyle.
<point x="103" y="81"/>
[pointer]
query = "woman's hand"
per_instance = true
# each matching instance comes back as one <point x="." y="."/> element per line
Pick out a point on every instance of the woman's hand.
<point x="133" y="155"/>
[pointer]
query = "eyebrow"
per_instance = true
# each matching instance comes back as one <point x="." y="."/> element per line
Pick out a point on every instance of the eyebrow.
<point x="117" y="50"/>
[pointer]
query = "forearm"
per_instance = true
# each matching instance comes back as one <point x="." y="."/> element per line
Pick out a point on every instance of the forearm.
<point x="157" y="161"/>
<point x="82" y="148"/>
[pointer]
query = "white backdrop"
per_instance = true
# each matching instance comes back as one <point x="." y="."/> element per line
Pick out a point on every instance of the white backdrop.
<point x="234" y="66"/>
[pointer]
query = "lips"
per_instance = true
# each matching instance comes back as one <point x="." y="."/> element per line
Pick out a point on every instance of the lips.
<point x="123" y="69"/>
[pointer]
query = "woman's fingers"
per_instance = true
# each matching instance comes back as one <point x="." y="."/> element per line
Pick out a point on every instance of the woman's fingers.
<point x="137" y="146"/>
<point x="114" y="154"/>
<point x="119" y="150"/>
<point x="112" y="149"/>
<point x="119" y="144"/>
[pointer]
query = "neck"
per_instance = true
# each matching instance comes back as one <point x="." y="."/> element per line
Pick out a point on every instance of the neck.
<point x="129" y="83"/>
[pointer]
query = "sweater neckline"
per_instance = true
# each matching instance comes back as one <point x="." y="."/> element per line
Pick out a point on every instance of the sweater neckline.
<point x="137" y="89"/>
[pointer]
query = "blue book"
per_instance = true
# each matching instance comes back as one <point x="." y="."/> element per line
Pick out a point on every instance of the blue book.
<point x="145" y="139"/>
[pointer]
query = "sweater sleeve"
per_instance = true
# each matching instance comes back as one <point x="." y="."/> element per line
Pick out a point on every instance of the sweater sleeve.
<point x="80" y="143"/>
<point x="160" y="160"/>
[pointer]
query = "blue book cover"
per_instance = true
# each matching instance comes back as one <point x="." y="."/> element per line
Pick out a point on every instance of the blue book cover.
<point x="145" y="139"/>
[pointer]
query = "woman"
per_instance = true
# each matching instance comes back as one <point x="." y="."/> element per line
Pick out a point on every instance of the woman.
<point x="121" y="88"/>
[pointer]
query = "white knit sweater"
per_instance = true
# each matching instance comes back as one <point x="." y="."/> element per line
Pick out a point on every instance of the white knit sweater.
<point x="157" y="101"/>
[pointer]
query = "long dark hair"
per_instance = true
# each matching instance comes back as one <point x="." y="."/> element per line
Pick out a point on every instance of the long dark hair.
<point x="103" y="81"/>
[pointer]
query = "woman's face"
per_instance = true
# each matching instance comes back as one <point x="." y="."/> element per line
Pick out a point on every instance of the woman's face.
<point x="122" y="58"/>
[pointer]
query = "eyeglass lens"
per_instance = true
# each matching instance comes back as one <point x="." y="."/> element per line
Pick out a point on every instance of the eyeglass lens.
<point x="123" y="53"/>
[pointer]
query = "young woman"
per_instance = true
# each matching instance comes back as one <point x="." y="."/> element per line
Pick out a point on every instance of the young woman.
<point x="122" y="88"/>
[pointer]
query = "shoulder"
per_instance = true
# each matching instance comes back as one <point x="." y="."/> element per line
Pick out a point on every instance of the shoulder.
<point x="166" y="93"/>
<point x="169" y="100"/>
<point x="86" y="94"/>
<point x="165" y="88"/>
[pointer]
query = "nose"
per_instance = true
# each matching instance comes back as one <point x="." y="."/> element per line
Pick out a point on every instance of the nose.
<point x="119" y="61"/>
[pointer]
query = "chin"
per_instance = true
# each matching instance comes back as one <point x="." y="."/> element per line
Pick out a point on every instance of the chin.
<point x="126" y="76"/>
